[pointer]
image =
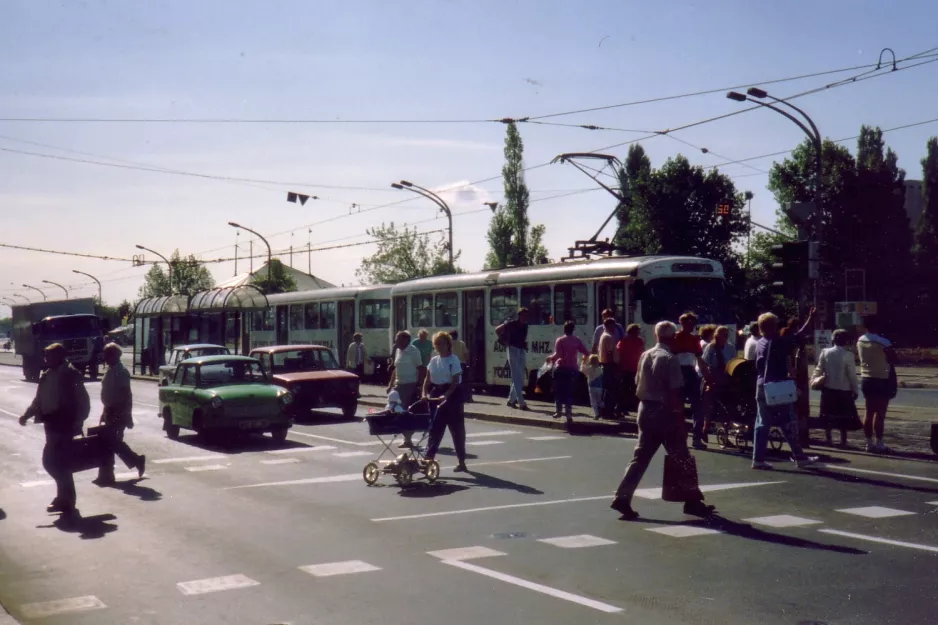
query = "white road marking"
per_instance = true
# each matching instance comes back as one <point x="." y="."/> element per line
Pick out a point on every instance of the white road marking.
<point x="782" y="520"/>
<point x="883" y="473"/>
<point x="885" y="541"/>
<point x="336" y="440"/>
<point x="352" y="454"/>
<point x="491" y="508"/>
<point x="124" y="475"/>
<point x="61" y="606"/>
<point x="465" y="553"/>
<point x="577" y="542"/>
<point x="485" y="442"/>
<point x="546" y="438"/>
<point x="300" y="450"/>
<point x="36" y="483"/>
<point x="492" y="433"/>
<point x="655" y="493"/>
<point x="281" y="461"/>
<point x="932" y="503"/>
<point x="143" y="403"/>
<point x="215" y="584"/>
<point x="189" y="459"/>
<point x="523" y="583"/>
<point x="206" y="467"/>
<point x="10" y="414"/>
<point x="348" y="477"/>
<point x="876" y="512"/>
<point x="339" y="568"/>
<point x="682" y="531"/>
<point x="485" y="464"/>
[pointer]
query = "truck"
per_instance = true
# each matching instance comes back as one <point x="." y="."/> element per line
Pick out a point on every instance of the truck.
<point x="71" y="322"/>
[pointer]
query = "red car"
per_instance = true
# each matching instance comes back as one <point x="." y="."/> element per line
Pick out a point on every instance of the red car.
<point x="312" y="374"/>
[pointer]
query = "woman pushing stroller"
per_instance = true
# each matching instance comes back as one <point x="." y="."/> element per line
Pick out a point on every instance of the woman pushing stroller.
<point x="442" y="389"/>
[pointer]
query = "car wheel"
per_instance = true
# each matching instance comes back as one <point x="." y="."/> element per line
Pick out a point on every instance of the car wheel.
<point x="172" y="430"/>
<point x="348" y="410"/>
<point x="279" y="435"/>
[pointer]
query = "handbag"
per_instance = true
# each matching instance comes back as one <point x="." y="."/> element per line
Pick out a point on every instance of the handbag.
<point x="778" y="393"/>
<point x="680" y="479"/>
<point x="87" y="452"/>
<point x="817" y="382"/>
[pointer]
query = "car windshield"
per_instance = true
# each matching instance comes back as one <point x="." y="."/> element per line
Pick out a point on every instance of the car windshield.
<point x="303" y="360"/>
<point x="669" y="298"/>
<point x="230" y="372"/>
<point x="208" y="351"/>
<point x="70" y="327"/>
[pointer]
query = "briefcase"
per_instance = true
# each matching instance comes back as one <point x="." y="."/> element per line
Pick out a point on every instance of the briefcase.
<point x="680" y="479"/>
<point x="86" y="452"/>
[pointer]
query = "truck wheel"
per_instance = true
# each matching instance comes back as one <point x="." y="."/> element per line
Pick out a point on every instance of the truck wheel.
<point x="172" y="430"/>
<point x="349" y="409"/>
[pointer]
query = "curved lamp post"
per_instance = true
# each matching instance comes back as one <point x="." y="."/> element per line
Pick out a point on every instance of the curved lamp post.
<point x="169" y="265"/>
<point x="44" y="298"/>
<point x="430" y="195"/>
<point x="237" y="225"/>
<point x="58" y="285"/>
<point x="100" y="301"/>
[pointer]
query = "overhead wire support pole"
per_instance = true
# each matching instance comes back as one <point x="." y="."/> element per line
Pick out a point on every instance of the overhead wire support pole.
<point x="593" y="245"/>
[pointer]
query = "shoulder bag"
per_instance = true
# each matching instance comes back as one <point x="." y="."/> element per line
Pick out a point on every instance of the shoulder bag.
<point x="779" y="393"/>
<point x="820" y="377"/>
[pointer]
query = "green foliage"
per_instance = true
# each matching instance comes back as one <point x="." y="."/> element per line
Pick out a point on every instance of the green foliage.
<point x="404" y="255"/>
<point x="189" y="277"/>
<point x="926" y="242"/>
<point x="279" y="281"/>
<point x="124" y="309"/>
<point x="512" y="240"/>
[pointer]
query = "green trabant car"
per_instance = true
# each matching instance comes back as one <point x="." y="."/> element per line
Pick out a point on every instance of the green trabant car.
<point x="224" y="394"/>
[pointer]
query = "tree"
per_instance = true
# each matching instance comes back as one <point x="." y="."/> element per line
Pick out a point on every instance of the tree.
<point x="926" y="243"/>
<point x="279" y="281"/>
<point x="124" y="309"/>
<point x="189" y="277"/>
<point x="512" y="241"/>
<point x="404" y="255"/>
<point x="635" y="233"/>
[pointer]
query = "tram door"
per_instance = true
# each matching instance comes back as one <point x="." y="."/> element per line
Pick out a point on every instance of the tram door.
<point x="400" y="313"/>
<point x="473" y="331"/>
<point x="611" y="295"/>
<point x="283" y="325"/>
<point x="346" y="328"/>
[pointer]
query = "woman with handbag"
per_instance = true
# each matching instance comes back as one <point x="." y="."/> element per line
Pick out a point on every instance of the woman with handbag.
<point x="776" y="393"/>
<point x="836" y="377"/>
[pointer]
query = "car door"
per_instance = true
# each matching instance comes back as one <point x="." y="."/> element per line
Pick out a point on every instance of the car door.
<point x="183" y="394"/>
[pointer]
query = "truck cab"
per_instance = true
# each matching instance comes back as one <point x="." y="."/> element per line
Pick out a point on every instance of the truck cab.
<point x="70" y="322"/>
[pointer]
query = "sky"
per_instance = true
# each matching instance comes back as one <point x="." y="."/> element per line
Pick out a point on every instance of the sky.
<point x="425" y="78"/>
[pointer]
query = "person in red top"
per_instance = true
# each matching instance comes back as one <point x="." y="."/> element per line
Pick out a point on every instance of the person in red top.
<point x="630" y="350"/>
<point x="689" y="353"/>
<point x="565" y="358"/>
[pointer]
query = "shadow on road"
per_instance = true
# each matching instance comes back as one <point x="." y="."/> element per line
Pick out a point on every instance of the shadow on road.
<point x="425" y="490"/>
<point x="87" y="528"/>
<point x="448" y="451"/>
<point x="237" y="443"/>
<point x="3" y="514"/>
<point x="852" y="478"/>
<point x="143" y="493"/>
<point x="490" y="481"/>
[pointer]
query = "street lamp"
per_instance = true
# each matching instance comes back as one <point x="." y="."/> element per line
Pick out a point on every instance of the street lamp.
<point x="755" y="95"/>
<point x="236" y="225"/>
<point x="58" y="285"/>
<point x="23" y="296"/>
<point x="100" y="301"/>
<point x="169" y="265"/>
<point x="35" y="289"/>
<point x="430" y="195"/>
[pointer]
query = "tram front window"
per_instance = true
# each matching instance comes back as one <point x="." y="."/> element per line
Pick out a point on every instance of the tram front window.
<point x="669" y="298"/>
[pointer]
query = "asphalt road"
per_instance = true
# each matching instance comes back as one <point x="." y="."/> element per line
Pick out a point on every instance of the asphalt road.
<point x="255" y="534"/>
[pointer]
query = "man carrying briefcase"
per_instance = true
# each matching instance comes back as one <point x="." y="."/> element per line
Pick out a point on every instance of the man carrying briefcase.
<point x="117" y="399"/>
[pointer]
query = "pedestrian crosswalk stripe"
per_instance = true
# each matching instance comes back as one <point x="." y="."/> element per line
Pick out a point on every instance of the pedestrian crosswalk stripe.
<point x="485" y="443"/>
<point x="43" y="609"/>
<point x="546" y="438"/>
<point x="682" y="531"/>
<point x="884" y="541"/>
<point x="876" y="512"/>
<point x="883" y="473"/>
<point x="782" y="520"/>
<point x="339" y="568"/>
<point x="348" y="477"/>
<point x="352" y="454"/>
<point x="577" y="542"/>
<point x="35" y="483"/>
<point x="299" y="450"/>
<point x="492" y="433"/>
<point x="465" y="553"/>
<point x="655" y="493"/>
<point x="189" y="459"/>
<point x="215" y="584"/>
<point x="281" y="461"/>
<point x="206" y="467"/>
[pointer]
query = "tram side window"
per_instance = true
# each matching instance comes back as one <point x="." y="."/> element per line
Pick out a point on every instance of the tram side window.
<point x="447" y="310"/>
<point x="296" y="317"/>
<point x="311" y="312"/>
<point x="327" y="315"/>
<point x="263" y="320"/>
<point x="421" y="311"/>
<point x="375" y="313"/>
<point x="537" y="300"/>
<point x="504" y="305"/>
<point x="571" y="303"/>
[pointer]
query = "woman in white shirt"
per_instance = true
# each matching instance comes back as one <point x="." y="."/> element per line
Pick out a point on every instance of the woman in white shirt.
<point x="441" y="387"/>
<point x="839" y="391"/>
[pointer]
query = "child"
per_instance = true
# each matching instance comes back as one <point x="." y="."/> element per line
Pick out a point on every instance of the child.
<point x="593" y="371"/>
<point x="394" y="403"/>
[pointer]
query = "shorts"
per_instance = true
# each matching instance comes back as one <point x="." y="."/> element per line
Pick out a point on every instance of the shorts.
<point x="875" y="388"/>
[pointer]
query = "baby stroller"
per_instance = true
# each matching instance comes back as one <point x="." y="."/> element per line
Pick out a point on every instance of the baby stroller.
<point x="734" y="409"/>
<point x="393" y="423"/>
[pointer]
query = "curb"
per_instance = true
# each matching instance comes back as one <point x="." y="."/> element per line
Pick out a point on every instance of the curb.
<point x="607" y="428"/>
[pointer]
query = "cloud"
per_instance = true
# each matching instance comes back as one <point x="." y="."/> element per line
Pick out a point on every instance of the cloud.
<point x="464" y="195"/>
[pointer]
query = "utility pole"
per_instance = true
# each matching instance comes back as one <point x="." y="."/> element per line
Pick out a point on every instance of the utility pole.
<point x="237" y="237"/>
<point x="309" y="253"/>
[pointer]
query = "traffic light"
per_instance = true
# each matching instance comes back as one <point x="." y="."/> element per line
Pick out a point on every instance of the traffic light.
<point x="789" y="267"/>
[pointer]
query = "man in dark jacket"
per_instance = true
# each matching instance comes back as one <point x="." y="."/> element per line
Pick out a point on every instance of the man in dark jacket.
<point x="61" y="405"/>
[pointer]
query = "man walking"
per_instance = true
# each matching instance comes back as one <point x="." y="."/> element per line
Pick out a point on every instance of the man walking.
<point x="61" y="405"/>
<point x="515" y="335"/>
<point x="404" y="376"/>
<point x="117" y="399"/>
<point x="660" y="422"/>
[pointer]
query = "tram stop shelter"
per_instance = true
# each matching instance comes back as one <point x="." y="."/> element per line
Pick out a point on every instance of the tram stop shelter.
<point x="222" y="315"/>
<point x="155" y="318"/>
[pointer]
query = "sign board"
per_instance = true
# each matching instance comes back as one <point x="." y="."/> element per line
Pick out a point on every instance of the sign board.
<point x="823" y="339"/>
<point x="723" y="209"/>
<point x="860" y="308"/>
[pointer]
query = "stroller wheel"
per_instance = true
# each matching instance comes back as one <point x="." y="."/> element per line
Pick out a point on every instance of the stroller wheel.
<point x="741" y="441"/>
<point x="776" y="439"/>
<point x="722" y="438"/>
<point x="432" y="470"/>
<point x="371" y="473"/>
<point x="404" y="475"/>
